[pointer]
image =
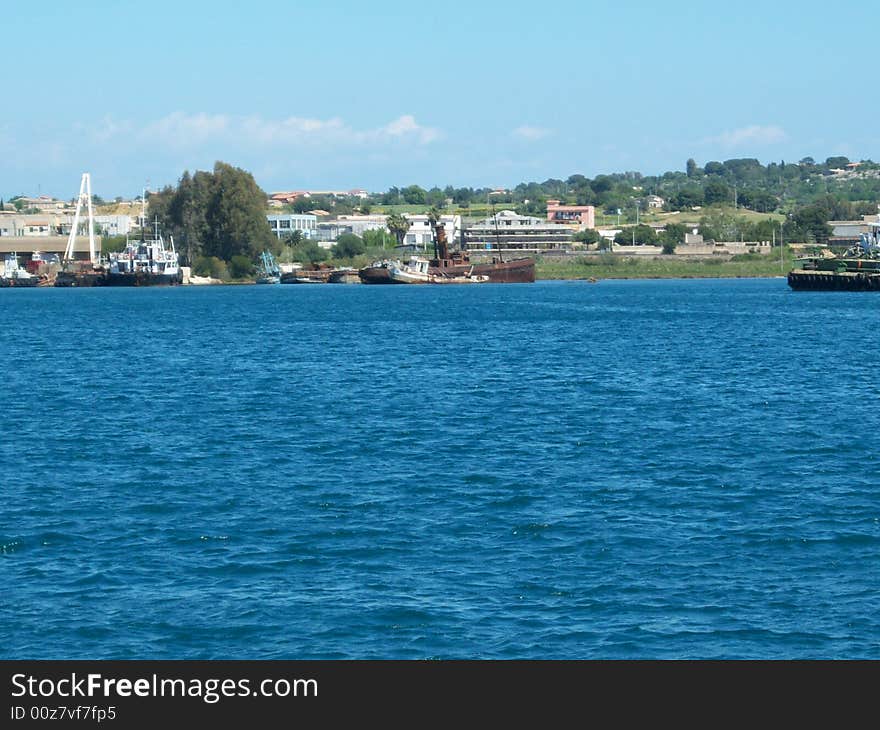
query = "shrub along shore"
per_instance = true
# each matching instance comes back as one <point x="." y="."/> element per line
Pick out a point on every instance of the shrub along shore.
<point x="611" y="266"/>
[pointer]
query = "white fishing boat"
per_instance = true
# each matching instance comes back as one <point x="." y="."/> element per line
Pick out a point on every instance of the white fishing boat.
<point x="268" y="272"/>
<point x="14" y="275"/>
<point x="419" y="271"/>
<point x="414" y="271"/>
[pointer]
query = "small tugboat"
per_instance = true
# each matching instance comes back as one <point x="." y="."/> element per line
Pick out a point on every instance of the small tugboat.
<point x="15" y="276"/>
<point x="268" y="271"/>
<point x="414" y="271"/>
<point x="857" y="270"/>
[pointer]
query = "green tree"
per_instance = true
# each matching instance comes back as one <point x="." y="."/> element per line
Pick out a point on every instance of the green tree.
<point x="587" y="236"/>
<point x="673" y="234"/>
<point x="348" y="246"/>
<point x="636" y="234"/>
<point x="717" y="192"/>
<point x="236" y="215"/>
<point x="718" y="225"/>
<point x="687" y="198"/>
<point x="757" y="200"/>
<point x="812" y="220"/>
<point x="463" y="196"/>
<point x="398" y="224"/>
<point x="414" y="195"/>
<point x="379" y="238"/>
<point x="240" y="267"/>
<point x="436" y="198"/>
<point x="219" y="213"/>
<point x="210" y="266"/>
<point x="309" y="252"/>
<point x="836" y="162"/>
<point x="602" y="184"/>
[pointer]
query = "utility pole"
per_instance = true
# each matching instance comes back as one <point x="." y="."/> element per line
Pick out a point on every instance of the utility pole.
<point x="781" y="247"/>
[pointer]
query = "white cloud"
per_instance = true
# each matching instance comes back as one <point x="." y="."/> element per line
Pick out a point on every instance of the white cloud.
<point x="287" y="131"/>
<point x="407" y="126"/>
<point x="754" y="134"/>
<point x="531" y="133"/>
<point x="186" y="129"/>
<point x="180" y="129"/>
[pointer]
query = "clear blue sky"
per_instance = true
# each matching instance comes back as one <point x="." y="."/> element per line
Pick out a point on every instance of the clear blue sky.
<point x="356" y="94"/>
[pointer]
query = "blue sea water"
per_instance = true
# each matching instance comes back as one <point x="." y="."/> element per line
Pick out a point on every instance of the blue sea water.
<point x="628" y="469"/>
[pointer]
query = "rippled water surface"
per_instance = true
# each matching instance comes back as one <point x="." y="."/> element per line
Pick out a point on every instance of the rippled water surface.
<point x="647" y="469"/>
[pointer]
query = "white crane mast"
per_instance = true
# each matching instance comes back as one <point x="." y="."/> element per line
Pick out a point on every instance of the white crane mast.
<point x="85" y="192"/>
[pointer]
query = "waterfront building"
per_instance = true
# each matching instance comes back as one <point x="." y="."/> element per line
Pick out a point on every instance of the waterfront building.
<point x="421" y="235"/>
<point x="508" y="231"/>
<point x="359" y="224"/>
<point x="43" y="203"/>
<point x="582" y="215"/>
<point x="34" y="225"/>
<point x="58" y="224"/>
<point x="111" y="225"/>
<point x="283" y="224"/>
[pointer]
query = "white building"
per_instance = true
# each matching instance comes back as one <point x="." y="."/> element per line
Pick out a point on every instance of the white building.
<point x="508" y="231"/>
<point x="113" y="225"/>
<point x="358" y="224"/>
<point x="284" y="224"/>
<point x="44" y="203"/>
<point x="41" y="225"/>
<point x="421" y="234"/>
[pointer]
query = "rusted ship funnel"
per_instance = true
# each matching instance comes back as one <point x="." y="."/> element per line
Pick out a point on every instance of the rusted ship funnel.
<point x="442" y="245"/>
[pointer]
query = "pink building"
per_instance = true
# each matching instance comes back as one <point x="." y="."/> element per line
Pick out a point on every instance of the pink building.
<point x="584" y="215"/>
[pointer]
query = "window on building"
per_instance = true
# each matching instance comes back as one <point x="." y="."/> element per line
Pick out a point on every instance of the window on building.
<point x="285" y="224"/>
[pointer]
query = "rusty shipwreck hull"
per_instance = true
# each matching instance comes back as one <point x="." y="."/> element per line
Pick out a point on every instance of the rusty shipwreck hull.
<point x="517" y="271"/>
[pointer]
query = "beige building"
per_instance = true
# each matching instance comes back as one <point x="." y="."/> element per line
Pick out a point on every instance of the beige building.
<point x="24" y="246"/>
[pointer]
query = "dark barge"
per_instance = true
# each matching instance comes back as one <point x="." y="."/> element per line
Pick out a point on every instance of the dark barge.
<point x="857" y="270"/>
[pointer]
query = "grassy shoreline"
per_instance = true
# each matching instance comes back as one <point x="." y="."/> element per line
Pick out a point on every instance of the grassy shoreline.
<point x="613" y="267"/>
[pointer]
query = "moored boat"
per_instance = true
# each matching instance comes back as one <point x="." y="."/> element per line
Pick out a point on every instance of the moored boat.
<point x="857" y="270"/>
<point x="344" y="275"/>
<point x="15" y="276"/>
<point x="268" y="271"/>
<point x="145" y="263"/>
<point x="418" y="271"/>
<point x="378" y="272"/>
<point x="456" y="265"/>
<point x="306" y="276"/>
